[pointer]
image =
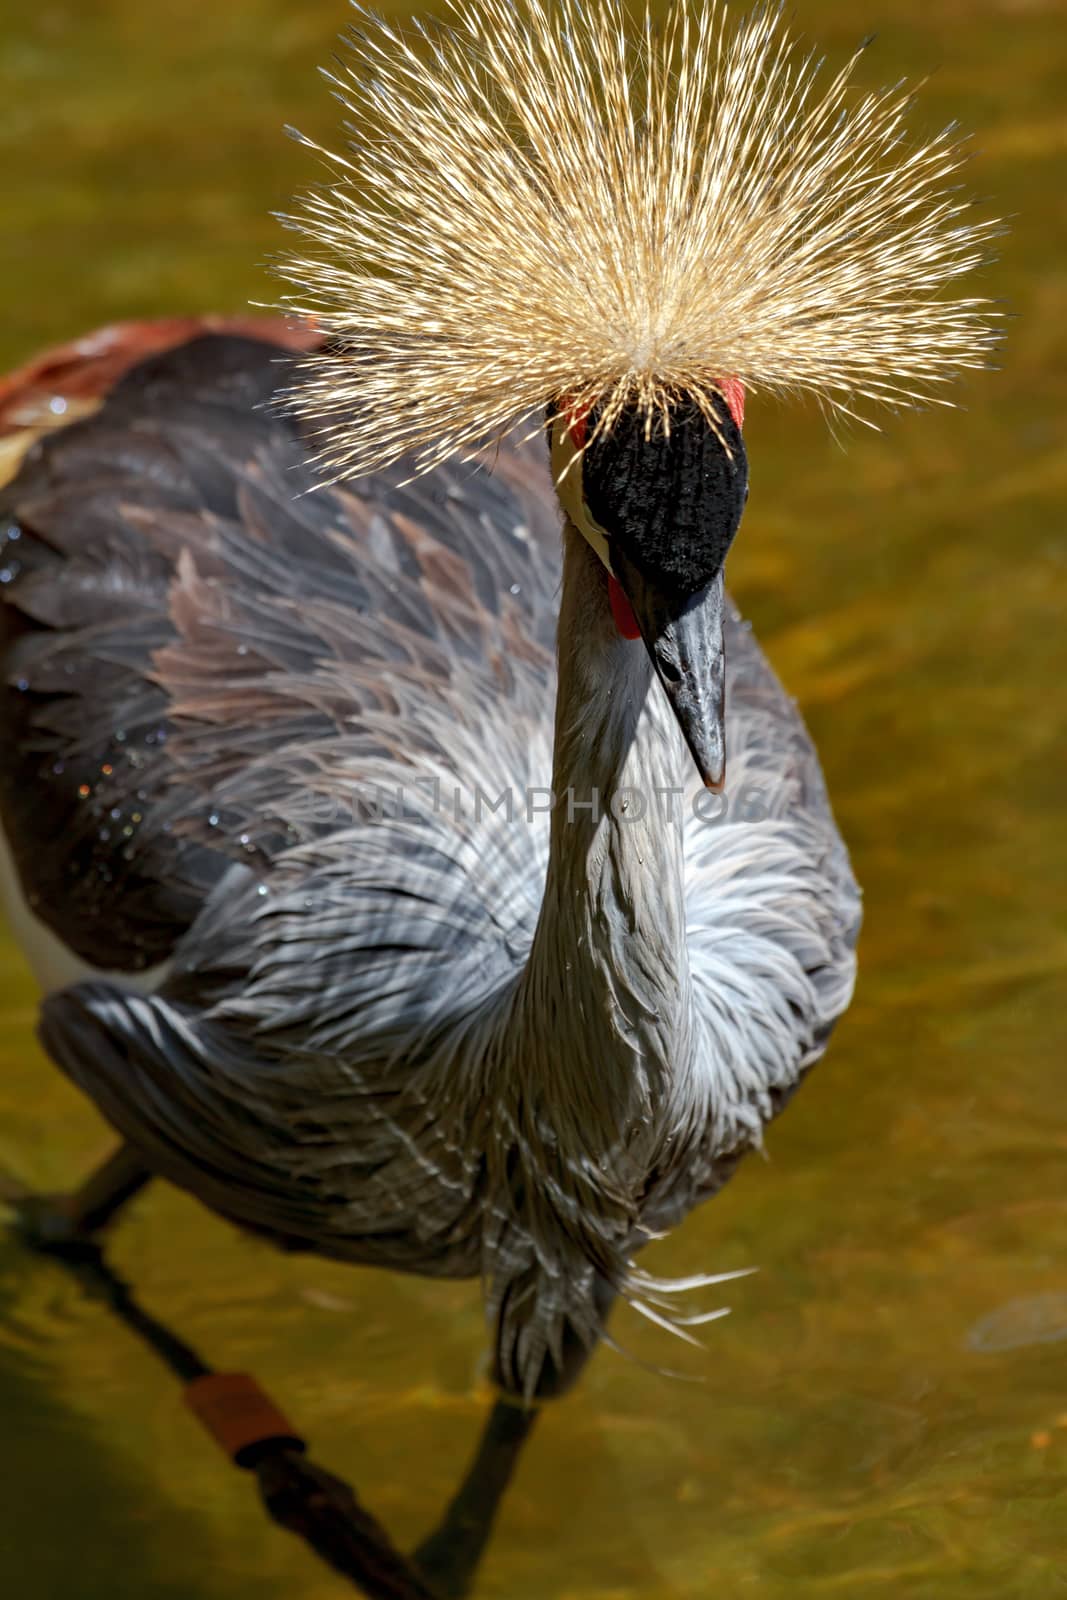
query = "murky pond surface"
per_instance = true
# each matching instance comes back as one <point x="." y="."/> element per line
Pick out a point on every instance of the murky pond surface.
<point x="885" y="1412"/>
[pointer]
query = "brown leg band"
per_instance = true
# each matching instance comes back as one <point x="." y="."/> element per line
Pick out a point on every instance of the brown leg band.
<point x="238" y="1415"/>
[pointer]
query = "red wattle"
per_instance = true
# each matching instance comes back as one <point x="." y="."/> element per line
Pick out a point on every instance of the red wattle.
<point x="733" y="392"/>
<point x="577" y="426"/>
<point x="622" y="610"/>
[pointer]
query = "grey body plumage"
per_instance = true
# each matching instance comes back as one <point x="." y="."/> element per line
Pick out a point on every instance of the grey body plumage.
<point x="425" y="1035"/>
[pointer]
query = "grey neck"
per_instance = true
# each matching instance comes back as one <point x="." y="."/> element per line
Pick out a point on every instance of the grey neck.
<point x="605" y="999"/>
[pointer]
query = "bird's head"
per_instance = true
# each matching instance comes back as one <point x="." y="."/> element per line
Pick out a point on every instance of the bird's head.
<point x="551" y="206"/>
<point x="659" y="500"/>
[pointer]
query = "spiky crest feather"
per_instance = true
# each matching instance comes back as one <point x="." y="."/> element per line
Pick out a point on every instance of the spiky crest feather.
<point x="537" y="204"/>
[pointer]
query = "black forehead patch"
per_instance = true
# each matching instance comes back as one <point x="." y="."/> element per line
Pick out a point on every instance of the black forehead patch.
<point x="672" y="501"/>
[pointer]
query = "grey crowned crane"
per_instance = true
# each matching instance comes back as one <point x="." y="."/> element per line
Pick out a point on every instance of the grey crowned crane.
<point x="428" y="870"/>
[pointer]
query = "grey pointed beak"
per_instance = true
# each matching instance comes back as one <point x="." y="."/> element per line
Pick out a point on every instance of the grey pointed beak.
<point x="684" y="639"/>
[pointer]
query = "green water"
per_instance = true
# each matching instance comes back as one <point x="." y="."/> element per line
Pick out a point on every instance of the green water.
<point x="885" y="1412"/>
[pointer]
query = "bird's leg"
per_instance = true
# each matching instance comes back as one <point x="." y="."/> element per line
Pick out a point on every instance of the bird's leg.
<point x="450" y="1555"/>
<point x="323" y="1510"/>
<point x="297" y="1493"/>
<point x="60" y="1223"/>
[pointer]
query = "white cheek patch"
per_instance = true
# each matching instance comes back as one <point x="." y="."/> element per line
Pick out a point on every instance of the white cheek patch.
<point x="567" y="476"/>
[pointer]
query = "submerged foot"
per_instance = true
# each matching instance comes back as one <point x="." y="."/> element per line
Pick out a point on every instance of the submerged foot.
<point x="69" y="1225"/>
<point x="447" y="1562"/>
<point x="48" y="1224"/>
